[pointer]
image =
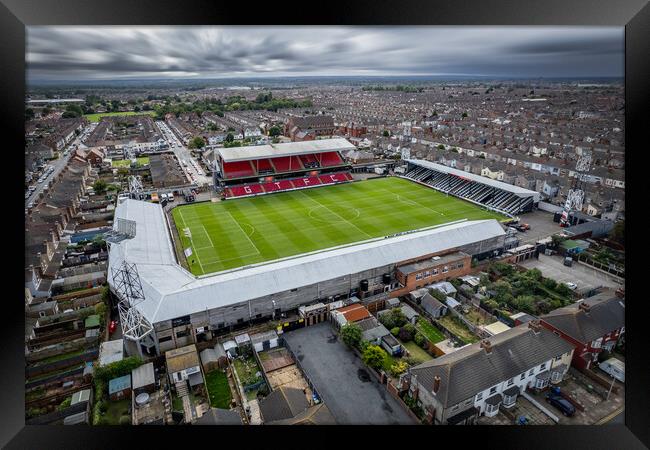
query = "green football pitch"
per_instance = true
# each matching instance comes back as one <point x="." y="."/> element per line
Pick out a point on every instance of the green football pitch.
<point x="234" y="233"/>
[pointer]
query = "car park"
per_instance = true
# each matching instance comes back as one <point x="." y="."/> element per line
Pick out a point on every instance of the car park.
<point x="561" y="403"/>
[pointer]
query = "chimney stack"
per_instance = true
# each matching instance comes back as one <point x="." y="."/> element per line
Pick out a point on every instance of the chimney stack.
<point x="487" y="346"/>
<point x="584" y="306"/>
<point x="535" y="326"/>
<point x="436" y="384"/>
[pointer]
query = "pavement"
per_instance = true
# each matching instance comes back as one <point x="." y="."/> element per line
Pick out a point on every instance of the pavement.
<point x="585" y="277"/>
<point x="352" y="394"/>
<point x="541" y="226"/>
<point x="58" y="165"/>
<point x="191" y="167"/>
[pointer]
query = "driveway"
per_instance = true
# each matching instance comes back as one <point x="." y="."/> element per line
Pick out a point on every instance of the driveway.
<point x="585" y="277"/>
<point x="354" y="396"/>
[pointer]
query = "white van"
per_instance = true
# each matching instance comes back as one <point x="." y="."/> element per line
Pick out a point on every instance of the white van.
<point x="164" y="197"/>
<point x="170" y="197"/>
<point x="614" y="368"/>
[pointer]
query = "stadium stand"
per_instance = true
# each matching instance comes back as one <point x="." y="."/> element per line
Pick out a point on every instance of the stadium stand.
<point x="496" y="195"/>
<point x="285" y="185"/>
<point x="238" y="169"/>
<point x="330" y="159"/>
<point x="281" y="185"/>
<point x="333" y="178"/>
<point x="309" y="161"/>
<point x="247" y="189"/>
<point x="305" y="182"/>
<point x="264" y="166"/>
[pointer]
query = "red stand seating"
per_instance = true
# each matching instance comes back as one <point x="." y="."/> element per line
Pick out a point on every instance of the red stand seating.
<point x="247" y="189"/>
<point x="332" y="178"/>
<point x="277" y="186"/>
<point x="305" y="182"/>
<point x="330" y="159"/>
<point x="238" y="169"/>
<point x="309" y="161"/>
<point x="263" y="166"/>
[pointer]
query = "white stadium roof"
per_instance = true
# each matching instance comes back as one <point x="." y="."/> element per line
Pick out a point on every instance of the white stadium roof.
<point x="518" y="191"/>
<point x="170" y="291"/>
<point x="287" y="149"/>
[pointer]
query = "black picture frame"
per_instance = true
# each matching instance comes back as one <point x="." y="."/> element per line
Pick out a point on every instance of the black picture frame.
<point x="16" y="14"/>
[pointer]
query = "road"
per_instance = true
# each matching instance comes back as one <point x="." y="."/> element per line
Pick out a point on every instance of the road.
<point x="59" y="164"/>
<point x="192" y="169"/>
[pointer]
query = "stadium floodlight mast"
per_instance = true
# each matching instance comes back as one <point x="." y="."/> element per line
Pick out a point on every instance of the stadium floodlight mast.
<point x="135" y="186"/>
<point x="127" y="285"/>
<point x="129" y="290"/>
<point x="575" y="196"/>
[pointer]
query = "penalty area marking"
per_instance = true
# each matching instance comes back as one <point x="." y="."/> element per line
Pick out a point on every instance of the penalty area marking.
<point x="245" y="234"/>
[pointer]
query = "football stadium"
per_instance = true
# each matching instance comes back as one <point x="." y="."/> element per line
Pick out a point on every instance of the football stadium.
<point x="240" y="232"/>
<point x="290" y="227"/>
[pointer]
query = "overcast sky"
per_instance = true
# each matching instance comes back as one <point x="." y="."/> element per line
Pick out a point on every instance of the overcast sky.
<point x="90" y="53"/>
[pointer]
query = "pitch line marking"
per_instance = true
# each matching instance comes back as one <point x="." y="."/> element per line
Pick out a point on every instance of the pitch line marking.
<point x="206" y="233"/>
<point x="195" y="252"/>
<point x="325" y="221"/>
<point x="406" y="200"/>
<point x="245" y="234"/>
<point x="316" y="201"/>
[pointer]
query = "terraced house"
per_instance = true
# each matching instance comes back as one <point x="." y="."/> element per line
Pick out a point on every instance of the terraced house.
<point x="476" y="380"/>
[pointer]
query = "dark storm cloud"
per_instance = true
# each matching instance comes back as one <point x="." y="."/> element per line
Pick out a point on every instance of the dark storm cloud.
<point x="129" y="52"/>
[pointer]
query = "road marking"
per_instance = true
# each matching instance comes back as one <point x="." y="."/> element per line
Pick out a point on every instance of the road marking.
<point x="610" y="416"/>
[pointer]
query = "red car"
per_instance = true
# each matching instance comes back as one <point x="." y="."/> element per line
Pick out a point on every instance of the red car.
<point x="112" y="326"/>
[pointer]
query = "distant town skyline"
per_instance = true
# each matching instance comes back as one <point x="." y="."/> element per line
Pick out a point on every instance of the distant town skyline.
<point x="171" y="52"/>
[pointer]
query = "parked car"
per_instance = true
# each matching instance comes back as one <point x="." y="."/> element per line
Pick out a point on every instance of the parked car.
<point x="571" y="285"/>
<point x="568" y="261"/>
<point x="561" y="403"/>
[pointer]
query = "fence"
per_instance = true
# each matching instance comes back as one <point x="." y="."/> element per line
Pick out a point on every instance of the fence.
<point x="59" y="377"/>
<point x="56" y="416"/>
<point x="586" y="260"/>
<point x="311" y="385"/>
<point x="61" y="364"/>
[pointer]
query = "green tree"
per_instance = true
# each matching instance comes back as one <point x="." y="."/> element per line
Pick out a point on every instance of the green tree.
<point x="373" y="356"/>
<point x="419" y="339"/>
<point x="464" y="114"/>
<point x="386" y="133"/>
<point x="29" y="114"/>
<point x="394" y="331"/>
<point x="99" y="186"/>
<point x="275" y="131"/>
<point x="229" y="137"/>
<point x="351" y="334"/>
<point x="398" y="368"/>
<point x="196" y="142"/>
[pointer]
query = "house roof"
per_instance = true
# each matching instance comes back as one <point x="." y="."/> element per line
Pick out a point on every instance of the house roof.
<point x="283" y="403"/>
<point x="119" y="384"/>
<point x="217" y="416"/>
<point x="354" y="313"/>
<point x="470" y="369"/>
<point x="143" y="376"/>
<point x="182" y="358"/>
<point x="431" y="304"/>
<point x="314" y="415"/>
<point x="431" y="262"/>
<point x="171" y="291"/>
<point x="606" y="314"/>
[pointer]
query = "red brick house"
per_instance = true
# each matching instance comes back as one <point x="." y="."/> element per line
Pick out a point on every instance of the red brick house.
<point x="593" y="324"/>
